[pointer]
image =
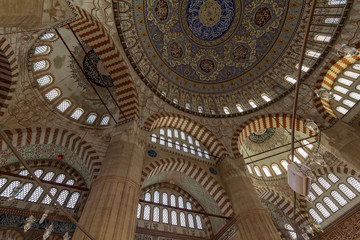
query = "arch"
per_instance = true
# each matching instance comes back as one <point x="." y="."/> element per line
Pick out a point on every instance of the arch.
<point x="323" y="171"/>
<point x="265" y="121"/>
<point x="21" y="138"/>
<point x="287" y="207"/>
<point x="11" y="234"/>
<point x="205" y="136"/>
<point x="9" y="71"/>
<point x="198" y="174"/>
<point x="98" y="38"/>
<point x="331" y="76"/>
<point x="182" y="192"/>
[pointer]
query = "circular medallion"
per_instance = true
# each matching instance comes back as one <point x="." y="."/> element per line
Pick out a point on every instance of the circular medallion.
<point x="262" y="135"/>
<point x="152" y="153"/>
<point x="92" y="74"/>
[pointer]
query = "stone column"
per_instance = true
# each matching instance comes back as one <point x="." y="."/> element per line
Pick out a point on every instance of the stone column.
<point x="252" y="219"/>
<point x="110" y="211"/>
<point x="343" y="141"/>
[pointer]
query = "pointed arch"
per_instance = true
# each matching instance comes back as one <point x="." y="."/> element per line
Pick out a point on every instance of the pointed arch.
<point x="262" y="122"/>
<point x="98" y="38"/>
<point x="11" y="234"/>
<point x="195" y="204"/>
<point x="205" y="136"/>
<point x="198" y="174"/>
<point x="71" y="142"/>
<point x="9" y="72"/>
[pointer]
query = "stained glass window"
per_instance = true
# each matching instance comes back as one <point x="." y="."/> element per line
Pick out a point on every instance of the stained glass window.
<point x="191" y="221"/>
<point x="182" y="220"/>
<point x="172" y="200"/>
<point x="174" y="218"/>
<point x="156" y="197"/>
<point x="62" y="196"/>
<point x="188" y="206"/>
<point x="64" y="105"/>
<point x="77" y="113"/>
<point x="198" y="222"/>
<point x="24" y="173"/>
<point x="9" y="189"/>
<point x="91" y="118"/>
<point x="70" y="182"/>
<point x="44" y="80"/>
<point x="36" y="194"/>
<point x="47" y="199"/>
<point x="165" y="216"/>
<point x="147" y="197"/>
<point x="60" y="178"/>
<point x="146" y="215"/>
<point x="48" y="176"/>
<point x="156" y="214"/>
<point x="24" y="191"/>
<point x="181" y="202"/>
<point x="3" y="181"/>
<point x="165" y="199"/>
<point x="52" y="94"/>
<point x="73" y="200"/>
<point x="41" y="65"/>
<point x="105" y="120"/>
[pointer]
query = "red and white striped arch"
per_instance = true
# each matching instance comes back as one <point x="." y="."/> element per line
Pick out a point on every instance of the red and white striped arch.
<point x="11" y="234"/>
<point x="266" y="121"/>
<point x="198" y="174"/>
<point x="331" y="76"/>
<point x="55" y="136"/>
<point x="287" y="206"/>
<point x="335" y="170"/>
<point x="9" y="72"/>
<point x="195" y="204"/>
<point x="97" y="37"/>
<point x="201" y="133"/>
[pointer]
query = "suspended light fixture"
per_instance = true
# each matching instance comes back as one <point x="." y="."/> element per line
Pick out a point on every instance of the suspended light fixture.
<point x="48" y="231"/>
<point x="345" y="50"/>
<point x="305" y="235"/>
<point x="15" y="192"/>
<point x="309" y="230"/>
<point x="324" y="93"/>
<point x="43" y="217"/>
<point x="310" y="124"/>
<point x="29" y="222"/>
<point x="318" y="159"/>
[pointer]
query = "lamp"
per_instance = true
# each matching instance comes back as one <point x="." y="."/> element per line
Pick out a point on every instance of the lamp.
<point x="324" y="93"/>
<point x="345" y="50"/>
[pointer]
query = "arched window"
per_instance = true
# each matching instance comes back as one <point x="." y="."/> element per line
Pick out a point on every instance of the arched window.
<point x="323" y="210"/>
<point x="170" y="143"/>
<point x="191" y="221"/>
<point x="267" y="171"/>
<point x="341" y="89"/>
<point x="182" y="220"/>
<point x="296" y="159"/>
<point x="165" y="199"/>
<point x="177" y="145"/>
<point x="48" y="36"/>
<point x="312" y="196"/>
<point x="188" y="206"/>
<point x="77" y="113"/>
<point x="257" y="170"/>
<point x="322" y="38"/>
<point x="185" y="148"/>
<point x="315" y="215"/>
<point x="42" y="50"/>
<point x="345" y="81"/>
<point x="162" y="140"/>
<point x="138" y="214"/>
<point x="290" y="79"/>
<point x="265" y="97"/>
<point x="172" y="200"/>
<point x="226" y="110"/>
<point x="156" y="197"/>
<point x="192" y="150"/>
<point x="48" y="176"/>
<point x="187" y="106"/>
<point x="307" y="144"/>
<point x="176" y="133"/>
<point x="73" y="200"/>
<point x="302" y="153"/>
<point x="23" y="173"/>
<point x="341" y="110"/>
<point x="190" y="140"/>
<point x="162" y="131"/>
<point x="291" y="231"/>
<point x="3" y="181"/>
<point x="197" y="143"/>
<point x="9" y="189"/>
<point x="24" y="191"/>
<point x="62" y="196"/>
<point x="41" y="65"/>
<point x="181" y="202"/>
<point x="44" y="80"/>
<point x="312" y="53"/>
<point x="355" y="96"/>
<point x="250" y="170"/>
<point x="174" y="218"/>
<point x="52" y="94"/>
<point x="47" y="199"/>
<point x="65" y="104"/>
<point x="252" y="104"/>
<point x="333" y="178"/>
<point x="317" y="189"/>
<point x="350" y="194"/>
<point x="206" y="154"/>
<point x="169" y="133"/>
<point x="147" y="197"/>
<point x="239" y="108"/>
<point x="153" y="138"/>
<point x="182" y="135"/>
<point x="146" y="215"/>
<point x="351" y="74"/>
<point x="91" y="118"/>
<point x="105" y="120"/>
<point x="276" y="169"/>
<point x="330" y="204"/>
<point x="70" y="182"/>
<point x="354" y="183"/>
<point x="304" y="68"/>
<point x="285" y="164"/>
<point x="60" y="178"/>
<point x="199" y="152"/>
<point x="36" y="194"/>
<point x="165" y="216"/>
<point x="348" y="103"/>
<point x="156" y="214"/>
<point x="340" y="199"/>
<point x="198" y="222"/>
<point x="324" y="183"/>
<point x="200" y="109"/>
<point x="336" y="2"/>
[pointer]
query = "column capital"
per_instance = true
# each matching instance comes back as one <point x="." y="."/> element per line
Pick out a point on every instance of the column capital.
<point x="130" y="132"/>
<point x="232" y="167"/>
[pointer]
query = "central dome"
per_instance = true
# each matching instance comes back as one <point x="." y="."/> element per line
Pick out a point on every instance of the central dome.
<point x="209" y="22"/>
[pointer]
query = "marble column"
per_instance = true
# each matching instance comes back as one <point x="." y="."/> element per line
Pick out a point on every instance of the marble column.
<point x="252" y="219"/>
<point x="110" y="211"/>
<point x="343" y="141"/>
